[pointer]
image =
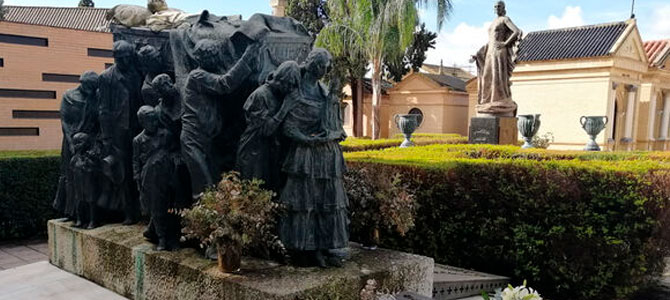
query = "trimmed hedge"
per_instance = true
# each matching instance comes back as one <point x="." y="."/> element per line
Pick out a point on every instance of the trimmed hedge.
<point x="352" y="144"/>
<point x="28" y="183"/>
<point x="596" y="228"/>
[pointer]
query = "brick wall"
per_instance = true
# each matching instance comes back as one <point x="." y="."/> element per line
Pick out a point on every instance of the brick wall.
<point x="23" y="68"/>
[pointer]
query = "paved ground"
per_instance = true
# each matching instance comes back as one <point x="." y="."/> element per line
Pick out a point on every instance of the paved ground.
<point x="42" y="281"/>
<point x="17" y="254"/>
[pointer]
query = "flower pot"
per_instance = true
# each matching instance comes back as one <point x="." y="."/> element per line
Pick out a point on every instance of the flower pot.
<point x="593" y="125"/>
<point x="408" y="124"/>
<point x="229" y="258"/>
<point x="373" y="240"/>
<point x="528" y="127"/>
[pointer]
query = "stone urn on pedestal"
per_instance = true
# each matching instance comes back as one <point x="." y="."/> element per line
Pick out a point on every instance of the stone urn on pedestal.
<point x="593" y="125"/>
<point x="407" y="125"/>
<point x="528" y="127"/>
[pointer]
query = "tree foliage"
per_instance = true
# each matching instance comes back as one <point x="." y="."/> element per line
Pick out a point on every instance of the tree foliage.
<point x="311" y="13"/>
<point x="397" y="67"/>
<point x="86" y="3"/>
<point x="379" y="30"/>
<point x="2" y="9"/>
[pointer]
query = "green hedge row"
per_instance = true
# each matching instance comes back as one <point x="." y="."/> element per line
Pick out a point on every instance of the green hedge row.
<point x="596" y="229"/>
<point x="28" y="182"/>
<point x="352" y="144"/>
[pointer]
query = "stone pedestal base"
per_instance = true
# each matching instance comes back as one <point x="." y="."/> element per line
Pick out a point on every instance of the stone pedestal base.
<point x="494" y="130"/>
<point x="117" y="258"/>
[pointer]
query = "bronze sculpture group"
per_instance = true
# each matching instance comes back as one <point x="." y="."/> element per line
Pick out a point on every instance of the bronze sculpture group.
<point x="142" y="141"/>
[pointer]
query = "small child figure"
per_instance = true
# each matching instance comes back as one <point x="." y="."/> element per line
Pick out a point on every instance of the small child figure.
<point x="84" y="171"/>
<point x="154" y="171"/>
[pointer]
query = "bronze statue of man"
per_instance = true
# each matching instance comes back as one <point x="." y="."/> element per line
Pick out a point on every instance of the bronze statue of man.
<point x="202" y="122"/>
<point x="495" y="63"/>
<point x="120" y="98"/>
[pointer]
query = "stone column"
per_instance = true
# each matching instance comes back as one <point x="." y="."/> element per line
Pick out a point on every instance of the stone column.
<point x="651" y="127"/>
<point x="665" y="121"/>
<point x="278" y="7"/>
<point x="612" y="116"/>
<point x="630" y="115"/>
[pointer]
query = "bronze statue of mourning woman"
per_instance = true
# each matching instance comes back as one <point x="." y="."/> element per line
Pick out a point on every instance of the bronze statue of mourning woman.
<point x="78" y="114"/>
<point x="315" y="220"/>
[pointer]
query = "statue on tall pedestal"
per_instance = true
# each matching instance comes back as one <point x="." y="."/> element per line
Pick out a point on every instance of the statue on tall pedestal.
<point x="495" y="63"/>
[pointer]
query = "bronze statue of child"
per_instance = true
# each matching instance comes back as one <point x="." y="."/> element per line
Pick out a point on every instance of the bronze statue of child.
<point x="85" y="168"/>
<point x="153" y="170"/>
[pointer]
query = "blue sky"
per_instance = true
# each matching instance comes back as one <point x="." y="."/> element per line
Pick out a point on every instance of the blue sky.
<point x="465" y="31"/>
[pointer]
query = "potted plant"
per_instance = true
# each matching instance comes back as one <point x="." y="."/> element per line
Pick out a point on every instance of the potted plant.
<point x="233" y="215"/>
<point x="378" y="200"/>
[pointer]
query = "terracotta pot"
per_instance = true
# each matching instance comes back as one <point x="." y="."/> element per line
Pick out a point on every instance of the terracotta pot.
<point x="229" y="258"/>
<point x="373" y="240"/>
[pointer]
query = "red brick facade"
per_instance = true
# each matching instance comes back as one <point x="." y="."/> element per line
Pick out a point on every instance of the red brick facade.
<point x="38" y="68"/>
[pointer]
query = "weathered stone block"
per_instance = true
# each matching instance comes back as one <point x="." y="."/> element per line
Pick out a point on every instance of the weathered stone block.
<point x="493" y="130"/>
<point x="117" y="258"/>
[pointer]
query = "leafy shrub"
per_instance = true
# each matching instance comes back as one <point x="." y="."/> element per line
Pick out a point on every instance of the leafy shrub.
<point x="28" y="185"/>
<point x="543" y="141"/>
<point x="379" y="199"/>
<point x="237" y="213"/>
<point x="578" y="227"/>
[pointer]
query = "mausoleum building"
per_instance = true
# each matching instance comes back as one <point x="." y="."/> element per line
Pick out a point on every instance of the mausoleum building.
<point x="440" y="97"/>
<point x="43" y="51"/>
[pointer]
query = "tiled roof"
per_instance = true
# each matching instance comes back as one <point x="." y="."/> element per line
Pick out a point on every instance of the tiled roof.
<point x="453" y="71"/>
<point x="570" y="43"/>
<point x="367" y="86"/>
<point x="452" y="82"/>
<point x="657" y="51"/>
<point x="78" y="18"/>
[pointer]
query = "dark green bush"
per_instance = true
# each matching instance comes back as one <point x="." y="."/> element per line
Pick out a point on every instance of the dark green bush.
<point x="574" y="230"/>
<point x="27" y="189"/>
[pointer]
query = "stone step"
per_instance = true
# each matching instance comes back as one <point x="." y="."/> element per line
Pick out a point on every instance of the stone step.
<point x="456" y="283"/>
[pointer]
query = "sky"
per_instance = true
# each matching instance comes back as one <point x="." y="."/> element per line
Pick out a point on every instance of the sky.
<point x="466" y="30"/>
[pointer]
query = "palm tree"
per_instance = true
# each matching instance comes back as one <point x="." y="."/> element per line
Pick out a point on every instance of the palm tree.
<point x="377" y="30"/>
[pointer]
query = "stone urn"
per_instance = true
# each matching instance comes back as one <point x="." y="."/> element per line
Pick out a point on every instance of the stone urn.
<point x="528" y="127"/>
<point x="407" y="125"/>
<point x="593" y="125"/>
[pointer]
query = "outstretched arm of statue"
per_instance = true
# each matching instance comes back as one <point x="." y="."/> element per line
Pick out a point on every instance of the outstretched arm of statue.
<point x="226" y="83"/>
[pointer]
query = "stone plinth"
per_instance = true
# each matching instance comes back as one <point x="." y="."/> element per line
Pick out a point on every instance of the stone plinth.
<point x="116" y="257"/>
<point x="494" y="130"/>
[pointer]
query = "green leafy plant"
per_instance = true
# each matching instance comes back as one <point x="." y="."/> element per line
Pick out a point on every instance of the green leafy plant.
<point x="379" y="200"/>
<point x="236" y="213"/>
<point x="543" y="141"/>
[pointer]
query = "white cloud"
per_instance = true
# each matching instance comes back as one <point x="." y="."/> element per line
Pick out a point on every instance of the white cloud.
<point x="572" y="16"/>
<point x="660" y="25"/>
<point x="456" y="47"/>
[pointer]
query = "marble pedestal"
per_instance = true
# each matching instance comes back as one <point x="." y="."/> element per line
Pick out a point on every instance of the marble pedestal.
<point x="494" y="130"/>
<point x="117" y="258"/>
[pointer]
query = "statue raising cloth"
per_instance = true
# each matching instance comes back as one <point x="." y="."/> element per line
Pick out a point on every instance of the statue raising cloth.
<point x="495" y="63"/>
